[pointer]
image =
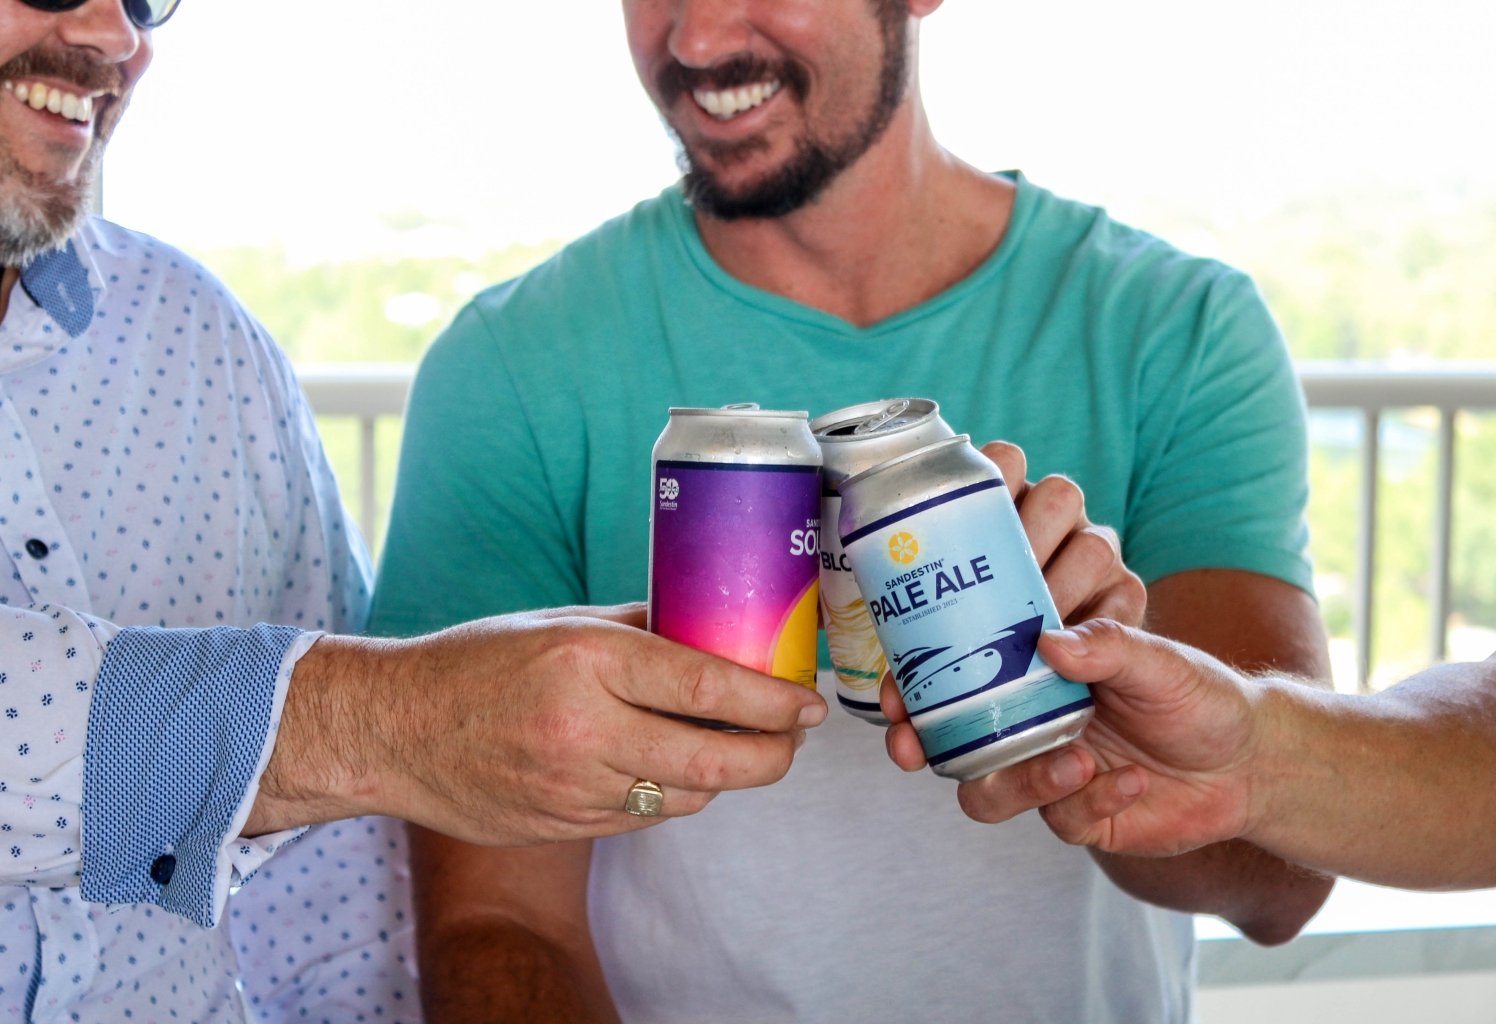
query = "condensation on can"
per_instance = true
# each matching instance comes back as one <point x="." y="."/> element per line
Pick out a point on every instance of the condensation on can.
<point x="959" y="603"/>
<point x="734" y="537"/>
<point x="853" y="439"/>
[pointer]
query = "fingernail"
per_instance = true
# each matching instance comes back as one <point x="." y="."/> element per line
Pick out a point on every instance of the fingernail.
<point x="1071" y="642"/>
<point x="811" y="715"/>
<point x="1130" y="783"/>
<point x="799" y="740"/>
<point x="1067" y="771"/>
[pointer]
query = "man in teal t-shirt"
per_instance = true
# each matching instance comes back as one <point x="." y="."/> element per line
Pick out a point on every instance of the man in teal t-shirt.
<point x="824" y="250"/>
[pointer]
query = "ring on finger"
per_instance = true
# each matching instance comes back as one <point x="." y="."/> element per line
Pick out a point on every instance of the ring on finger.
<point x="645" y="799"/>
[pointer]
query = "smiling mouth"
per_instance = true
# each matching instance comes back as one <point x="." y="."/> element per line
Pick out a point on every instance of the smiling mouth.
<point x="724" y="104"/>
<point x="70" y="105"/>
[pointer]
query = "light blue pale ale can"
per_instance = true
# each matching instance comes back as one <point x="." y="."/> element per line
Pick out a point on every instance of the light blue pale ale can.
<point x="959" y="603"/>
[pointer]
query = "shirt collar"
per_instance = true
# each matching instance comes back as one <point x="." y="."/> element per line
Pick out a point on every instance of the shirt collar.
<point x="66" y="284"/>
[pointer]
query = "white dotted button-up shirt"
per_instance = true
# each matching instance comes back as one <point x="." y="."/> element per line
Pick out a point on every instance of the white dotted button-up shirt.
<point x="162" y="491"/>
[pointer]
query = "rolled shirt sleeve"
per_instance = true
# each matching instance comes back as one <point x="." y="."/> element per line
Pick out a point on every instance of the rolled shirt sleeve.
<point x="181" y="729"/>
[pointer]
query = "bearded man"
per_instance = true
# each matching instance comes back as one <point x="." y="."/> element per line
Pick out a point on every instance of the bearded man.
<point x="174" y="561"/>
<point x="824" y="250"/>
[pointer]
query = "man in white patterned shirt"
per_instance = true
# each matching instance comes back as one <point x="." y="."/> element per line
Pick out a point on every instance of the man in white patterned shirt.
<point x="162" y="490"/>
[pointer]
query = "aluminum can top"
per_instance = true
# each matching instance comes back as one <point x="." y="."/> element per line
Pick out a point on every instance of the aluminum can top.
<point x="859" y="436"/>
<point x="742" y="434"/>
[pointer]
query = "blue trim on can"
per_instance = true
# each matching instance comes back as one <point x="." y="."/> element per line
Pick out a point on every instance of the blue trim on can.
<point x="935" y="502"/>
<point x="859" y="705"/>
<point x="1024" y="726"/>
<point x="755" y="467"/>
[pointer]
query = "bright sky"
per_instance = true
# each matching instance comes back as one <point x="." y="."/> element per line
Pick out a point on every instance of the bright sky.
<point x="524" y="121"/>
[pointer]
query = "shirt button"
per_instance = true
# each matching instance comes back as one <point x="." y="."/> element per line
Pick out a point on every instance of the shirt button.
<point x="162" y="868"/>
<point x="37" y="548"/>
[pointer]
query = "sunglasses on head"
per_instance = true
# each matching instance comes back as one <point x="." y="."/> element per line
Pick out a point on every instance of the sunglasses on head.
<point x="144" y="13"/>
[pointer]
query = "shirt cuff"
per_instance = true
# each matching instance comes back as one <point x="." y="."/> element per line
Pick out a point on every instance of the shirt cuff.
<point x="181" y="728"/>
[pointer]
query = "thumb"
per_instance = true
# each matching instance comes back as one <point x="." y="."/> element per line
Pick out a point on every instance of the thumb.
<point x="1128" y="661"/>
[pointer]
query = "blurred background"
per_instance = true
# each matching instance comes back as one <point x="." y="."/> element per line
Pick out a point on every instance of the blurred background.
<point x="356" y="173"/>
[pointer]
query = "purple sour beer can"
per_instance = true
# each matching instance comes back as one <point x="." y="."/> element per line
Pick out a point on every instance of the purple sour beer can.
<point x="959" y="603"/>
<point x="853" y="439"/>
<point x="734" y="537"/>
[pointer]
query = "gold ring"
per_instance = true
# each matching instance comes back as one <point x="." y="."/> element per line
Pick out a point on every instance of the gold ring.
<point x="645" y="799"/>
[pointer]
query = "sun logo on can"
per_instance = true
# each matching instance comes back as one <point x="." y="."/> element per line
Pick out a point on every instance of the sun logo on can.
<point x="903" y="548"/>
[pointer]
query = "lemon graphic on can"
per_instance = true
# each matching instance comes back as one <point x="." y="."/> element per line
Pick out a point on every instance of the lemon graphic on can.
<point x="903" y="548"/>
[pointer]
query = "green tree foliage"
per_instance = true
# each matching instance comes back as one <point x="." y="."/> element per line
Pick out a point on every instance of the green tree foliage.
<point x="1371" y="274"/>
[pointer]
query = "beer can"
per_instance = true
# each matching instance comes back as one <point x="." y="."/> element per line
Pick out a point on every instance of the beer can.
<point x="734" y="537"/>
<point x="853" y="439"/>
<point x="959" y="603"/>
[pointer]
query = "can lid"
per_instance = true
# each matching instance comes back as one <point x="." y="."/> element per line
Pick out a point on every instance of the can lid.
<point x="741" y="409"/>
<point x="873" y="419"/>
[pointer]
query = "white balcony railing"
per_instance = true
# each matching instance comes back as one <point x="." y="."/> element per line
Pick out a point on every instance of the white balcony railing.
<point x="369" y="394"/>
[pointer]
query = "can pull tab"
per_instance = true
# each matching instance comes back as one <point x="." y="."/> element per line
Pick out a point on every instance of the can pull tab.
<point x="893" y="410"/>
<point x="740" y="407"/>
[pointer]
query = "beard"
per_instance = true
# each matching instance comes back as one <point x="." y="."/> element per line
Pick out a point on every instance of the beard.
<point x="815" y="162"/>
<point x="37" y="216"/>
<point x="37" y="213"/>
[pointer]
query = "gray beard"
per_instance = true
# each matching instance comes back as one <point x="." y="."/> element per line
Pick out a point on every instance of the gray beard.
<point x="36" y="217"/>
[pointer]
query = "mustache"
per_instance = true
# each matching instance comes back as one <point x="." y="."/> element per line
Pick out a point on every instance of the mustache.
<point x="675" y="78"/>
<point x="68" y="65"/>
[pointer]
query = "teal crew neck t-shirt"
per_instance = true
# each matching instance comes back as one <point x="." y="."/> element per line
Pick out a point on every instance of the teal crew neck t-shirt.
<point x="1157" y="380"/>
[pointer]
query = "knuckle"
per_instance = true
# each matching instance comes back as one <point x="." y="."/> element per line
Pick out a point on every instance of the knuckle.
<point x="1059" y="497"/>
<point x="705" y="771"/>
<point x="702" y="689"/>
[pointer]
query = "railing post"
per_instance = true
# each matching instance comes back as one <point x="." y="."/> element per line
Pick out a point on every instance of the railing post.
<point x="1366" y="556"/>
<point x="368" y="509"/>
<point x="1443" y="526"/>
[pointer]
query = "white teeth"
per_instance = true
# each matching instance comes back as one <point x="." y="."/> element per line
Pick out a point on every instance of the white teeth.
<point x="725" y="103"/>
<point x="40" y="97"/>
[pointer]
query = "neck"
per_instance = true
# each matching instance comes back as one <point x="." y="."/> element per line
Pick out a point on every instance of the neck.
<point x="902" y="224"/>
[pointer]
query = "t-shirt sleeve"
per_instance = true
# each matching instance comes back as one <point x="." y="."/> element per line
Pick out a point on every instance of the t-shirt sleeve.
<point x="474" y="528"/>
<point x="1223" y="483"/>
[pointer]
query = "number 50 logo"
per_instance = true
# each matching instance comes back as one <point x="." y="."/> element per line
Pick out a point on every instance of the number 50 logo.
<point x="669" y="488"/>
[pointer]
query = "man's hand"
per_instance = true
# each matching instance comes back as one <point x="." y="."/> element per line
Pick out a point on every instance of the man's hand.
<point x="1162" y="769"/>
<point x="1082" y="565"/>
<point x="522" y="729"/>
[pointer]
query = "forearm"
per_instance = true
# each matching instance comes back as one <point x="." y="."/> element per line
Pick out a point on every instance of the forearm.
<point x="328" y="749"/>
<point x="488" y="969"/>
<point x="1258" y="892"/>
<point x="1394" y="789"/>
<point x="503" y="934"/>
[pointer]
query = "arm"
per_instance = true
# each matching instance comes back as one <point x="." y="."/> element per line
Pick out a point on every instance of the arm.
<point x="521" y="729"/>
<point x="1257" y="624"/>
<point x="516" y="915"/>
<point x="1392" y="788"/>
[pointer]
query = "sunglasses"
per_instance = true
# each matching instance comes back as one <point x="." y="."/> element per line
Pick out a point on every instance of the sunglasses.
<point x="144" y="13"/>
